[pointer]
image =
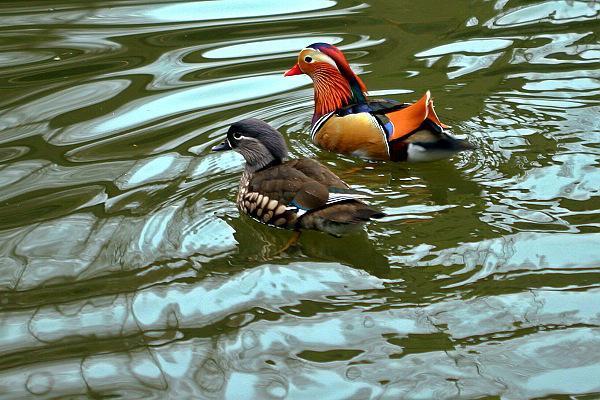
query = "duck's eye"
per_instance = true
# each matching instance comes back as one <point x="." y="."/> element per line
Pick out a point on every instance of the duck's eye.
<point x="237" y="136"/>
<point x="308" y="59"/>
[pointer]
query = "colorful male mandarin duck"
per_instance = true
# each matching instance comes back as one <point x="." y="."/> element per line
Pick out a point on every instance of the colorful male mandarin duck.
<point x="346" y="122"/>
<point x="295" y="194"/>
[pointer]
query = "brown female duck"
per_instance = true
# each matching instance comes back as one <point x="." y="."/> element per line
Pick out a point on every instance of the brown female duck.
<point x="294" y="194"/>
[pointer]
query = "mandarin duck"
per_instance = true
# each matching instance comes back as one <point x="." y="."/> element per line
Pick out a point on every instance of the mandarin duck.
<point x="294" y="194"/>
<point x="345" y="121"/>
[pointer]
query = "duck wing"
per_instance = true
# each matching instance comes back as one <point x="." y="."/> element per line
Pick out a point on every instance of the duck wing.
<point x="399" y="120"/>
<point x="304" y="184"/>
<point x="317" y="172"/>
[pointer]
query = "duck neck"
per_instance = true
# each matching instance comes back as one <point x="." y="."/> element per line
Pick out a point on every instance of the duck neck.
<point x="260" y="164"/>
<point x="258" y="156"/>
<point x="333" y="91"/>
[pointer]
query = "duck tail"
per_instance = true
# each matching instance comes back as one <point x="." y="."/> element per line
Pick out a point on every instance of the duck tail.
<point x="455" y="144"/>
<point x="367" y="213"/>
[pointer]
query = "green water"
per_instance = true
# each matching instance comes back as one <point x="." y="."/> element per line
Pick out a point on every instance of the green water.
<point x="127" y="271"/>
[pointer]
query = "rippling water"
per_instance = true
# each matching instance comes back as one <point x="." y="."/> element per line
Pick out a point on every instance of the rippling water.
<point x="126" y="270"/>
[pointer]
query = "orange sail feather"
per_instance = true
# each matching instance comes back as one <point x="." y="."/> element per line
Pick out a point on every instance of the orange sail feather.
<point x="407" y="120"/>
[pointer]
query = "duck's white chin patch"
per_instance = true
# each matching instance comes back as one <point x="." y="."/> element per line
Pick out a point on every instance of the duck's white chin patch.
<point x="417" y="153"/>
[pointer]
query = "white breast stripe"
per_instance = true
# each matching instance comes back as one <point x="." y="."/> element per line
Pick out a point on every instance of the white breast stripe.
<point x="387" y="145"/>
<point x="333" y="198"/>
<point x="300" y="212"/>
<point x="324" y="56"/>
<point x="318" y="125"/>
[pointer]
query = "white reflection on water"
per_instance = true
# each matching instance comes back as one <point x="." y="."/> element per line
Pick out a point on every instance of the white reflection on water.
<point x="468" y="46"/>
<point x="10" y="58"/>
<point x="564" y="48"/>
<point x="58" y="102"/>
<point x="267" y="285"/>
<point x="216" y="11"/>
<point x="217" y="163"/>
<point x="265" y="47"/>
<point x="567" y="380"/>
<point x="164" y="167"/>
<point x="557" y="12"/>
<point x="556" y="84"/>
<point x="144" y="295"/>
<point x="227" y="9"/>
<point x="488" y="314"/>
<point x="465" y="64"/>
<point x="530" y="251"/>
<point x="575" y="176"/>
<point x="152" y="169"/>
<point x="208" y="95"/>
<point x="80" y="246"/>
<point x="203" y="366"/>
<point x="152" y="309"/>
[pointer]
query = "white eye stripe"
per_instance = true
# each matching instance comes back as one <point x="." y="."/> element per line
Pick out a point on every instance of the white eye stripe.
<point x="325" y="57"/>
<point x="238" y="136"/>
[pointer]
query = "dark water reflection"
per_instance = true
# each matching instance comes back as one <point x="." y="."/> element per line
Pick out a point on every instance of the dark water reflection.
<point x="125" y="269"/>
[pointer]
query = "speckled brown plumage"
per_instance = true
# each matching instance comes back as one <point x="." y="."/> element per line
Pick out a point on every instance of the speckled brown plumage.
<point x="295" y="194"/>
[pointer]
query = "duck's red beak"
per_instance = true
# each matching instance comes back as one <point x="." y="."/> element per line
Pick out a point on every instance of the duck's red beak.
<point x="295" y="70"/>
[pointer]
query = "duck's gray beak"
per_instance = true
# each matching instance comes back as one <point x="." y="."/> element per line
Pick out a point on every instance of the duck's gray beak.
<point x="224" y="145"/>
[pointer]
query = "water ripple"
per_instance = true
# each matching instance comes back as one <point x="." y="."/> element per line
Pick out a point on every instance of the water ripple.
<point x="127" y="271"/>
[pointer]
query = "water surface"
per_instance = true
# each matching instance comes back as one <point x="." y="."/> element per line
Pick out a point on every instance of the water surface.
<point x="127" y="271"/>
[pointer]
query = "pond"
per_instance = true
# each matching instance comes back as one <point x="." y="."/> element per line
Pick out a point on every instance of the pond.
<point x="127" y="271"/>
